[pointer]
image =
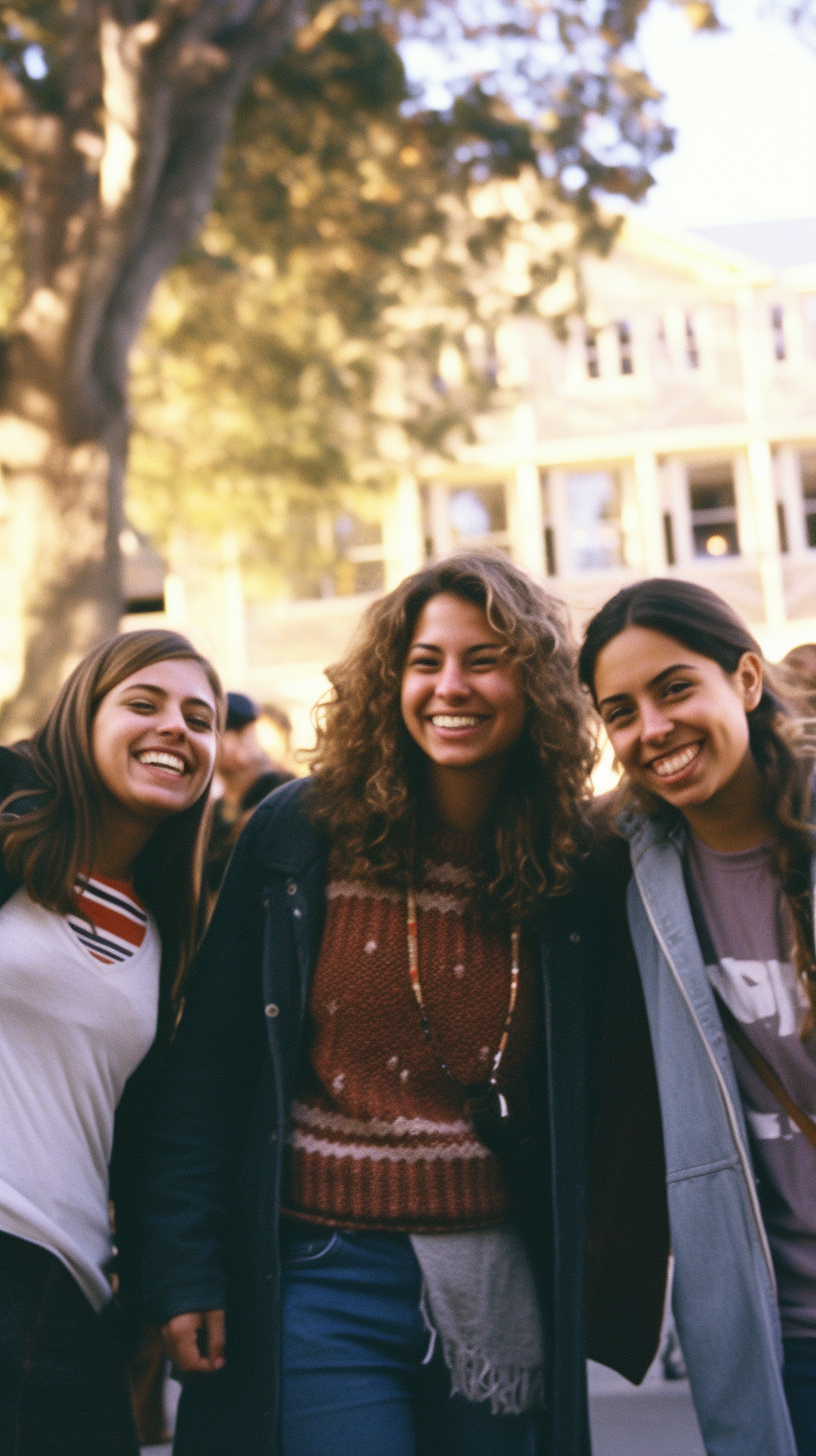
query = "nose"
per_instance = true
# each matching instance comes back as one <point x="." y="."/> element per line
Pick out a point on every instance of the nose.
<point x="173" y="722"/>
<point x="452" y="682"/>
<point x="655" y="724"/>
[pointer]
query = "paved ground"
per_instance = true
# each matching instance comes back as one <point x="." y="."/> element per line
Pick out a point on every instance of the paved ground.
<point x="655" y="1420"/>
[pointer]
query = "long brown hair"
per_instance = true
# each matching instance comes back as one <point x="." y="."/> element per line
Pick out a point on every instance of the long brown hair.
<point x="49" y="837"/>
<point x="780" y="742"/>
<point x="368" y="770"/>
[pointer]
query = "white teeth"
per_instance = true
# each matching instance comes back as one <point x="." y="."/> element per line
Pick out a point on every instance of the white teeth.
<point x="664" y="767"/>
<point x="453" y="720"/>
<point x="162" y="760"/>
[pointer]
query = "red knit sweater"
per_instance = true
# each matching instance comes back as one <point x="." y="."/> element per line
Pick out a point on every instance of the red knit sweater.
<point x="380" y="1138"/>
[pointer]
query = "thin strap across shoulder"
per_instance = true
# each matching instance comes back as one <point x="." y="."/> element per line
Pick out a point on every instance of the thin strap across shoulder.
<point x="735" y="1030"/>
<point x="764" y="1070"/>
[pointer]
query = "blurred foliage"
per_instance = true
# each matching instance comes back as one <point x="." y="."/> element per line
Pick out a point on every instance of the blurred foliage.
<point x="11" y="270"/>
<point x="338" y="316"/>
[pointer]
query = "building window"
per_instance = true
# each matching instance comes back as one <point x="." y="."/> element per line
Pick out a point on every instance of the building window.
<point x="668" y="539"/>
<point x="143" y="573"/>
<point x="778" y="331"/>
<point x="477" y="512"/>
<point x="593" y="498"/>
<point x="808" y="465"/>
<point x="550" y="557"/>
<point x="627" y="365"/>
<point x="713" y="510"/>
<point x="472" y="515"/>
<point x="359" y="565"/>
<point x="692" y="349"/>
<point x="593" y="360"/>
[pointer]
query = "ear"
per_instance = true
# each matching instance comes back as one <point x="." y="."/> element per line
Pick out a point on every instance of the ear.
<point x="749" y="680"/>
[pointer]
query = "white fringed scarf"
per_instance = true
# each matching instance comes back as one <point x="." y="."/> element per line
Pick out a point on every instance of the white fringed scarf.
<point x="478" y="1297"/>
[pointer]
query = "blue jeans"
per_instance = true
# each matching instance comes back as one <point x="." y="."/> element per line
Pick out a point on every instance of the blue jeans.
<point x="799" y="1375"/>
<point x="354" y="1343"/>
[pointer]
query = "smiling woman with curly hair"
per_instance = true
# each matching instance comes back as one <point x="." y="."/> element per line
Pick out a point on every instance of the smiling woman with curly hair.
<point x="370" y="773"/>
<point x="434" y="941"/>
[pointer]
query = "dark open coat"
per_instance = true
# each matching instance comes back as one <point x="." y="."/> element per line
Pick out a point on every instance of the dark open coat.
<point x="213" y="1193"/>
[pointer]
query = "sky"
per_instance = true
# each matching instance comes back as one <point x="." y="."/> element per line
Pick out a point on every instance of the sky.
<point x="742" y="100"/>
<point x="744" y="105"/>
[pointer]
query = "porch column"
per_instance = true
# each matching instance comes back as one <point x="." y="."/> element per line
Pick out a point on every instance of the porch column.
<point x="403" y="539"/>
<point x="647" y="493"/>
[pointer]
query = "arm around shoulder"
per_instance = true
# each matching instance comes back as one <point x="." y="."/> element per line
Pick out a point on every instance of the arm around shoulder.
<point x="204" y="1095"/>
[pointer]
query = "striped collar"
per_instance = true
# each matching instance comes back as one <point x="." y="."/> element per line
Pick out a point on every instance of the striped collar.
<point x="111" y="922"/>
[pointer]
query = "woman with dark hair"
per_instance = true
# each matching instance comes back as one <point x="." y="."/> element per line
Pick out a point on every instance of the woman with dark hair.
<point x="368" y="1201"/>
<point x="101" y="830"/>
<point x="717" y="806"/>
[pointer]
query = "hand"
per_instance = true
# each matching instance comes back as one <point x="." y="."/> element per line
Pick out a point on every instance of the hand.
<point x="195" y="1341"/>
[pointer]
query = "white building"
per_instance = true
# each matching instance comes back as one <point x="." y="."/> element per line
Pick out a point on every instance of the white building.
<point x="673" y="432"/>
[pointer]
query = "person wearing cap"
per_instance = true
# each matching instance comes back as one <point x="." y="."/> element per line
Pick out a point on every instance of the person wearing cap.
<point x="245" y="774"/>
<point x="241" y="759"/>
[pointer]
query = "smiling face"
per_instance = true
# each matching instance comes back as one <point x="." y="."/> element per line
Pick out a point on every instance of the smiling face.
<point x="677" y="721"/>
<point x="154" y="740"/>
<point x="462" y="699"/>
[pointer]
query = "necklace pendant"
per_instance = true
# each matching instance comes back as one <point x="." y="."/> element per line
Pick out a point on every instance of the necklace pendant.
<point x="501" y="1100"/>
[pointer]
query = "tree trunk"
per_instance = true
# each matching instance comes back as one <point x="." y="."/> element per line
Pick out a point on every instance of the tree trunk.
<point x="115" y="184"/>
<point x="65" y="512"/>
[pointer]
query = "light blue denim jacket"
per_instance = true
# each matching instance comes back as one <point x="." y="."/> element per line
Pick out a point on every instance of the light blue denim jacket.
<point x="724" y="1294"/>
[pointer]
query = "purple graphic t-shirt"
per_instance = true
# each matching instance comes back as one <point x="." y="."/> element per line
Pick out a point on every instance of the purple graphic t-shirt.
<point x="748" y="923"/>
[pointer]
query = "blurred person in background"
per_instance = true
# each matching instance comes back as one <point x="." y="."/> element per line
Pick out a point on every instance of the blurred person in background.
<point x="274" y="729"/>
<point x="103" y="813"/>
<point x="413" y="1064"/>
<point x="798" y="669"/>
<point x="241" y="757"/>
<point x="716" y="803"/>
<point x="245" y="774"/>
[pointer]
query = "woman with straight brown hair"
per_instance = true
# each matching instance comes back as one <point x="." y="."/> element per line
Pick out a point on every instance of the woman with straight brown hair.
<point x="368" y="1200"/>
<point x="101" y="822"/>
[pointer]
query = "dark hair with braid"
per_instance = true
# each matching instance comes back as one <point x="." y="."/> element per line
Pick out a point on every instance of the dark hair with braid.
<point x="782" y="749"/>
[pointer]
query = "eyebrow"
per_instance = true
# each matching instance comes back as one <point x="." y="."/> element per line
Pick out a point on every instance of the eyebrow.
<point x="475" y="647"/>
<point x="653" y="683"/>
<point x="162" y="693"/>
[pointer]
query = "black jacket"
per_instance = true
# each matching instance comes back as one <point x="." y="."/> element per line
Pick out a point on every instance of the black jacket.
<point x="215" y="1171"/>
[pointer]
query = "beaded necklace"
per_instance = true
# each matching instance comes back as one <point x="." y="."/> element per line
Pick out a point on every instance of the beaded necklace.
<point x="486" y="1104"/>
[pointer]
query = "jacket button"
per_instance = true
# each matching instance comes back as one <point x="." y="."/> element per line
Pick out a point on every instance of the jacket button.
<point x="273" y="1137"/>
<point x="575" y="937"/>
<point x="291" y="889"/>
<point x="272" y="1009"/>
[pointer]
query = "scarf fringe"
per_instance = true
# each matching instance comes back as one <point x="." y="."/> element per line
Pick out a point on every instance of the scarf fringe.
<point x="511" y="1389"/>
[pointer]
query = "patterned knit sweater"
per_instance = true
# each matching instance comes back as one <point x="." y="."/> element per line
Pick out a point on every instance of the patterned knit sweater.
<point x="380" y="1137"/>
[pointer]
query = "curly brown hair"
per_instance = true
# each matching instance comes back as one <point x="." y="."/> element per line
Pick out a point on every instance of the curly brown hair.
<point x="368" y="771"/>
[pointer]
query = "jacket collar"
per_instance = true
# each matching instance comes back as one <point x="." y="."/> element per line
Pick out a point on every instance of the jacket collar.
<point x="644" y="830"/>
<point x="286" y="839"/>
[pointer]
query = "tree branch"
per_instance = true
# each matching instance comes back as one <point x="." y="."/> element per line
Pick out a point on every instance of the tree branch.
<point x="185" y="123"/>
